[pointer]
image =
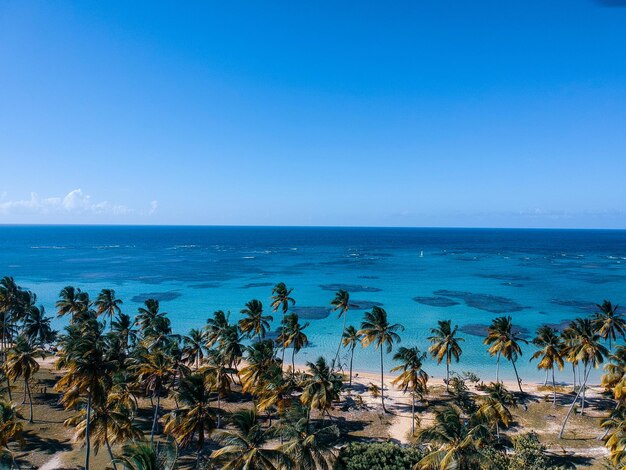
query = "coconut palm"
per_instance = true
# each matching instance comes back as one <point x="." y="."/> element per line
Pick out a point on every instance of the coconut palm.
<point x="350" y="339"/>
<point x="495" y="406"/>
<point x="154" y="371"/>
<point x="145" y="456"/>
<point x="614" y="378"/>
<point x="609" y="322"/>
<point x="245" y="446"/>
<point x="340" y="303"/>
<point x="111" y="422"/>
<point x="150" y="318"/>
<point x="72" y="301"/>
<point x="255" y="323"/>
<point x="615" y="436"/>
<point x="377" y="330"/>
<point x="122" y="327"/>
<point x="588" y="350"/>
<point x="10" y="427"/>
<point x="320" y="387"/>
<point x="260" y="358"/>
<point x="108" y="305"/>
<point x="291" y="333"/>
<point x="21" y="362"/>
<point x="230" y="346"/>
<point x="550" y="353"/>
<point x="503" y="340"/>
<point x="219" y="379"/>
<point x="445" y="344"/>
<point x="453" y="441"/>
<point x="193" y="347"/>
<point x="412" y="378"/>
<point x="281" y="299"/>
<point x="215" y="326"/>
<point x="195" y="417"/>
<point x="37" y="327"/>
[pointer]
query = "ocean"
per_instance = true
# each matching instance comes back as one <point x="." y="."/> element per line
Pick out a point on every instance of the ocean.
<point x="419" y="275"/>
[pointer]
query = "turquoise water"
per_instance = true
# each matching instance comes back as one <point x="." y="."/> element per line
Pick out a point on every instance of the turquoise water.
<point x="418" y="275"/>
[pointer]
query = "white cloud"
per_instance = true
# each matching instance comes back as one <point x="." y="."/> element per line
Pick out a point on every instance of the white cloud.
<point x="74" y="202"/>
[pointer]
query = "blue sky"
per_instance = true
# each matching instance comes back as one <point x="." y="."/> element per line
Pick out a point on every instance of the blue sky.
<point x="415" y="113"/>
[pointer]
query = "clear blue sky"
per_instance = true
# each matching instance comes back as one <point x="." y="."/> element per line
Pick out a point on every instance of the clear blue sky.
<point x="440" y="113"/>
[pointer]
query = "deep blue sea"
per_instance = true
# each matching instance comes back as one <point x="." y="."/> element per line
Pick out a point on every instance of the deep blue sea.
<point x="418" y="275"/>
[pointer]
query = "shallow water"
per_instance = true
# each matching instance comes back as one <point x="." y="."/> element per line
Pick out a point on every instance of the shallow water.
<point x="467" y="275"/>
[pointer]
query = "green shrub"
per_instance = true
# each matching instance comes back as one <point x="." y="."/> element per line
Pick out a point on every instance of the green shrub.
<point x="379" y="456"/>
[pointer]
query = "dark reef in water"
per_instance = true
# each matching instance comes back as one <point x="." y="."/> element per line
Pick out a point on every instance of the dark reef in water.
<point x="206" y="285"/>
<point x="559" y="326"/>
<point x="364" y="304"/>
<point x="160" y="296"/>
<point x="504" y="277"/>
<point x="511" y="284"/>
<point x="577" y="304"/>
<point x="436" y="301"/>
<point x="312" y="313"/>
<point x="349" y="287"/>
<point x="487" y="302"/>
<point x="476" y="329"/>
<point x="257" y="284"/>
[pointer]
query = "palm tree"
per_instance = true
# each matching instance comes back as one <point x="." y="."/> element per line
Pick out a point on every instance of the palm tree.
<point x="445" y="343"/>
<point x="413" y="378"/>
<point x="615" y="436"/>
<point x="21" y="362"/>
<point x="550" y="353"/>
<point x="341" y="302"/>
<point x="108" y="305"/>
<point x="351" y="338"/>
<point x="193" y="349"/>
<point x="110" y="422"/>
<point x="87" y="369"/>
<point x="37" y="326"/>
<point x="281" y="299"/>
<point x="145" y="456"/>
<point x="503" y="340"/>
<point x="10" y="427"/>
<point x="495" y="406"/>
<point x="591" y="353"/>
<point x="230" y="347"/>
<point x="320" y="387"/>
<point x="149" y="317"/>
<point x="218" y="379"/>
<point x="255" y="323"/>
<point x="215" y="326"/>
<point x="153" y="372"/>
<point x="245" y="446"/>
<point x="122" y="326"/>
<point x="72" y="301"/>
<point x="614" y="379"/>
<point x="376" y="330"/>
<point x="458" y="439"/>
<point x="195" y="417"/>
<point x="609" y="322"/>
<point x="260" y="358"/>
<point x="291" y="333"/>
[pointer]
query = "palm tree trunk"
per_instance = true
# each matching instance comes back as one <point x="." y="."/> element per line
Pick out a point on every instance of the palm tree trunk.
<point x="498" y="368"/>
<point x="447" y="377"/>
<point x="87" y="429"/>
<point x="339" y="345"/>
<point x="30" y="399"/>
<point x="582" y="408"/>
<point x="351" y="357"/>
<point x="293" y="362"/>
<point x="572" y="405"/>
<point x="413" y="416"/>
<point x="545" y="382"/>
<point x="154" y="420"/>
<point x="24" y="394"/>
<point x="219" y="409"/>
<point x="554" y="387"/>
<point x="282" y="363"/>
<point x="519" y="382"/>
<point x="574" y="373"/>
<point x="497" y="430"/>
<point x="106" y="441"/>
<point x="382" y="381"/>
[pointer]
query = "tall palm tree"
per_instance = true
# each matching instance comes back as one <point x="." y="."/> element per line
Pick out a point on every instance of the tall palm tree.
<point x="230" y="347"/>
<point x="260" y="358"/>
<point x="495" y="406"/>
<point x="609" y="322"/>
<point x="340" y="303"/>
<point x="10" y="427"/>
<point x="615" y="436"/>
<point x="291" y="333"/>
<point x="21" y="362"/>
<point x="458" y="441"/>
<point x="351" y="338"/>
<point x="219" y="379"/>
<point x="149" y="316"/>
<point x="195" y="418"/>
<point x="614" y="378"/>
<point x="445" y="344"/>
<point x="72" y="301"/>
<point x="413" y="378"/>
<point x="108" y="305"/>
<point x="255" y="323"/>
<point x="320" y="387"/>
<point x="245" y="446"/>
<point x="144" y="456"/>
<point x="503" y="340"/>
<point x="37" y="326"/>
<point x="591" y="353"/>
<point x="154" y="371"/>
<point x="215" y="326"/>
<point x="281" y="299"/>
<point x="550" y="353"/>
<point x="193" y="349"/>
<point x="377" y="330"/>
<point x="122" y="326"/>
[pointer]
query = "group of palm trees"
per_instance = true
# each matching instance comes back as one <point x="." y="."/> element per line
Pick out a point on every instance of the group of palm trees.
<point x="114" y="365"/>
